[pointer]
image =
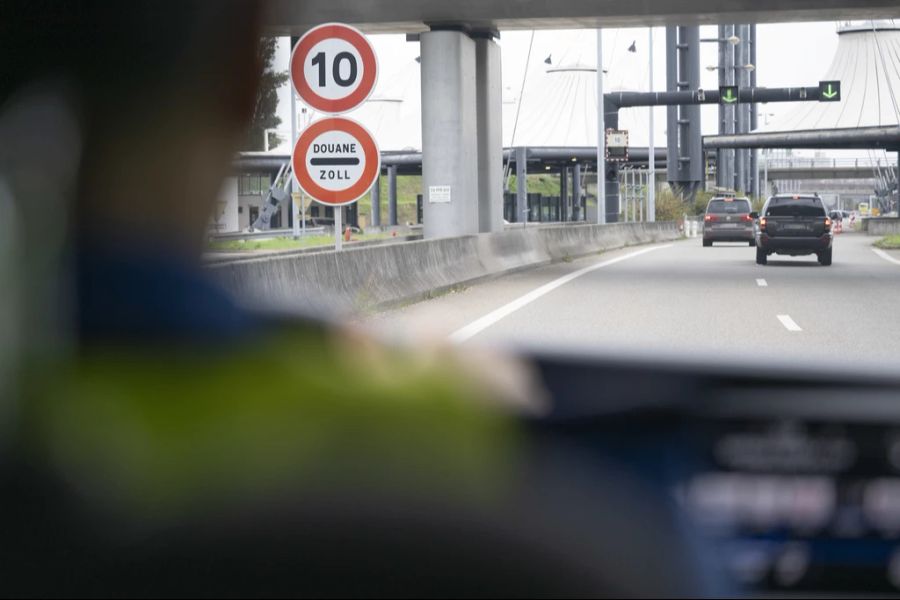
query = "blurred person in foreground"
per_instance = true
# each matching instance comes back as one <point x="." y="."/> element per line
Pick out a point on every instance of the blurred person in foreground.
<point x="177" y="444"/>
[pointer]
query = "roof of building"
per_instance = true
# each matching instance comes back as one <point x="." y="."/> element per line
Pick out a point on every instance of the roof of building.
<point x="867" y="63"/>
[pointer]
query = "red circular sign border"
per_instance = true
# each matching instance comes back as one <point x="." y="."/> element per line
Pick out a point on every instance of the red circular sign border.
<point x="363" y="136"/>
<point x="355" y="38"/>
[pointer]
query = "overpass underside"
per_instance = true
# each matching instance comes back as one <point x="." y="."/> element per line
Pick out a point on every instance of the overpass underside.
<point x="293" y="17"/>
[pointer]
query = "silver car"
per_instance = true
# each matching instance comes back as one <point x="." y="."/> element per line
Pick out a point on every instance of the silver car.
<point x="728" y="220"/>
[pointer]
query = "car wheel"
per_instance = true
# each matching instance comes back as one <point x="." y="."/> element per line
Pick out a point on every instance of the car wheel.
<point x="825" y="258"/>
<point x="752" y="243"/>
<point x="707" y="243"/>
<point x="761" y="257"/>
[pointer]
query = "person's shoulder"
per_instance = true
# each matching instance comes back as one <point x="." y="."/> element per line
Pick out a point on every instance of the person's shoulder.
<point x="305" y="402"/>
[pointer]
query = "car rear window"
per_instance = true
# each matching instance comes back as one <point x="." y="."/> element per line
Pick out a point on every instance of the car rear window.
<point x="719" y="207"/>
<point x="800" y="207"/>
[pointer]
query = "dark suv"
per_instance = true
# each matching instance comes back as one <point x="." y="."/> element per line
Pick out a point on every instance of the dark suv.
<point x="728" y="220"/>
<point x="796" y="225"/>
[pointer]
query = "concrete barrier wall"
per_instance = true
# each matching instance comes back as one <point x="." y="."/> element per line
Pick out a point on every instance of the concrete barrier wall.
<point x="881" y="227"/>
<point x="380" y="276"/>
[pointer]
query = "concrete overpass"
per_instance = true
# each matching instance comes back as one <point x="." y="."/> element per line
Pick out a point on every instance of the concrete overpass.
<point x="293" y="17"/>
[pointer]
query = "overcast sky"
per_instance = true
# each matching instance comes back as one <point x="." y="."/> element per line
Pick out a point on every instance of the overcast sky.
<point x="790" y="54"/>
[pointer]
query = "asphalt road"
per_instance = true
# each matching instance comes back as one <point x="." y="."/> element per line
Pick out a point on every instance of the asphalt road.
<point x="682" y="300"/>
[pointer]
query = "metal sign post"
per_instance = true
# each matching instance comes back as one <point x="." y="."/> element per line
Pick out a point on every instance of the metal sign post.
<point x="651" y="158"/>
<point x="601" y="135"/>
<point x="338" y="228"/>
<point x="335" y="160"/>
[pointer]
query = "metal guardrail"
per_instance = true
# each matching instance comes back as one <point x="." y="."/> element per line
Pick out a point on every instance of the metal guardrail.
<point x="236" y="256"/>
<point x="261" y="235"/>
<point x="830" y="163"/>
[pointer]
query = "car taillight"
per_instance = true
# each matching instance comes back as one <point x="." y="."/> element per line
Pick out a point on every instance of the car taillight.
<point x="827" y="224"/>
<point x="762" y="224"/>
<point x="710" y="218"/>
<point x="746" y="218"/>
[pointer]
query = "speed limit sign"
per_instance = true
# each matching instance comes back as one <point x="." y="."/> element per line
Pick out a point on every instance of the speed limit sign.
<point x="333" y="68"/>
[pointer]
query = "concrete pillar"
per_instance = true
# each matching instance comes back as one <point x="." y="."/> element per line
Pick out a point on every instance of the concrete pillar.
<point x="392" y="195"/>
<point x="449" y="140"/>
<point x="375" y="217"/>
<point x="576" y="193"/>
<point x="489" y="102"/>
<point x="521" y="186"/>
<point x="564" y="194"/>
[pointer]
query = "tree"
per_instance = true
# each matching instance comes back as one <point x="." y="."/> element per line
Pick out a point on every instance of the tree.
<point x="265" y="112"/>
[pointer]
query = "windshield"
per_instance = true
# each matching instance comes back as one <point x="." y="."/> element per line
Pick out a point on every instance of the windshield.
<point x="796" y="208"/>
<point x="449" y="299"/>
<point x="729" y="207"/>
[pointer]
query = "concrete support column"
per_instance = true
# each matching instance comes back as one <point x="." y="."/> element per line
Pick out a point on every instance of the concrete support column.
<point x="392" y="195"/>
<point x="449" y="139"/>
<point x="489" y="102"/>
<point x="521" y="186"/>
<point x="564" y="194"/>
<point x="376" y="202"/>
<point x="576" y="193"/>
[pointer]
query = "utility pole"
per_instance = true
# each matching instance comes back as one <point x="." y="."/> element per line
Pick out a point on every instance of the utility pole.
<point x="731" y="181"/>
<point x="601" y="135"/>
<point x="651" y="158"/>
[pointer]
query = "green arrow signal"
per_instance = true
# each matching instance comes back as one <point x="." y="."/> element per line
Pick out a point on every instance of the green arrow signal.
<point x="729" y="96"/>
<point x="830" y="92"/>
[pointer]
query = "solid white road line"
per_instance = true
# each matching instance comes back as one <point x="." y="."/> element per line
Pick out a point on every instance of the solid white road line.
<point x="762" y="283"/>
<point x="476" y="327"/>
<point x="885" y="256"/>
<point x="789" y="323"/>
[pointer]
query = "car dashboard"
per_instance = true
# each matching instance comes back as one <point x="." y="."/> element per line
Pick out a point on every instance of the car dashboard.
<point x="792" y="480"/>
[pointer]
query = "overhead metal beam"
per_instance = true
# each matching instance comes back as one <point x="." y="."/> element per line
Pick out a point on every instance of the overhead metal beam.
<point x="862" y="138"/>
<point x="745" y="96"/>
<point x="286" y="17"/>
<point x="257" y="162"/>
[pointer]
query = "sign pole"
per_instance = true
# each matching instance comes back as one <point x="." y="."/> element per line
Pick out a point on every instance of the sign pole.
<point x="335" y="160"/>
<point x="295" y="133"/>
<point x="295" y="225"/>
<point x="601" y="135"/>
<point x="651" y="162"/>
<point x="338" y="228"/>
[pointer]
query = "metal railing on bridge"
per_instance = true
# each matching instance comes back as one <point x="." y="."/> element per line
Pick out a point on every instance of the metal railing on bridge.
<point x="831" y="163"/>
